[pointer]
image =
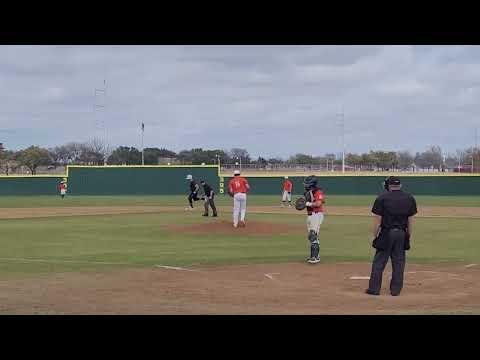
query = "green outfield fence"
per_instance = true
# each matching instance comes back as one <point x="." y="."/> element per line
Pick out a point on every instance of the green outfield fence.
<point x="29" y="185"/>
<point x="170" y="180"/>
<point x="369" y="185"/>
<point x="133" y="180"/>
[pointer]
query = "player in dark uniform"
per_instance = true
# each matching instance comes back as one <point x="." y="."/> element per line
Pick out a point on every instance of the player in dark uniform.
<point x="208" y="198"/>
<point x="194" y="189"/>
<point x="394" y="211"/>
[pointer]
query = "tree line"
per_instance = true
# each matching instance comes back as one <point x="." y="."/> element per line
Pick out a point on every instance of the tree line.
<point x="96" y="153"/>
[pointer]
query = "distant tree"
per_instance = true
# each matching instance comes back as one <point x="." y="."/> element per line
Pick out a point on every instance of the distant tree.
<point x="275" y="161"/>
<point x="124" y="155"/>
<point x="405" y="160"/>
<point x="60" y="155"/>
<point x="92" y="153"/>
<point x="451" y="161"/>
<point x="302" y="159"/>
<point x="431" y="158"/>
<point x="262" y="162"/>
<point x="33" y="157"/>
<point x="7" y="161"/>
<point x="353" y="160"/>
<point x="151" y="155"/>
<point x="237" y="154"/>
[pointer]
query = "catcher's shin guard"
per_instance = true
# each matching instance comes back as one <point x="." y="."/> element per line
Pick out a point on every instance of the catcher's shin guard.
<point x="314" y="244"/>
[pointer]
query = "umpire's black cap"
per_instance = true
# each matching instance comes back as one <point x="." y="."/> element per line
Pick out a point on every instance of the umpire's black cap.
<point x="393" y="180"/>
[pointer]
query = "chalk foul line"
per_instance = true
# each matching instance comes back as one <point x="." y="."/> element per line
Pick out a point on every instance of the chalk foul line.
<point x="173" y="268"/>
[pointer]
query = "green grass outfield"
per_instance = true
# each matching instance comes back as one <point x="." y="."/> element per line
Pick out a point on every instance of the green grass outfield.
<point x="150" y="200"/>
<point x="95" y="243"/>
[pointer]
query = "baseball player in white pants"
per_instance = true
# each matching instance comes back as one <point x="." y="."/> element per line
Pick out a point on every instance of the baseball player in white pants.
<point x="239" y="209"/>
<point x="238" y="188"/>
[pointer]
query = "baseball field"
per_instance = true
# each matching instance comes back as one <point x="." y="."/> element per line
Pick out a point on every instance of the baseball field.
<point x="147" y="255"/>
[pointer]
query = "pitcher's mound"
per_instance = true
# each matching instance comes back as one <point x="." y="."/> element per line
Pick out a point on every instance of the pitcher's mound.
<point x="251" y="228"/>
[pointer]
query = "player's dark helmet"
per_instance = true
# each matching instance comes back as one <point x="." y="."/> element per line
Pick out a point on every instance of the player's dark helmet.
<point x="310" y="182"/>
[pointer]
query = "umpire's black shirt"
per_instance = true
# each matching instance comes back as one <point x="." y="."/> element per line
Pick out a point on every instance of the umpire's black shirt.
<point x="395" y="207"/>
<point x="207" y="189"/>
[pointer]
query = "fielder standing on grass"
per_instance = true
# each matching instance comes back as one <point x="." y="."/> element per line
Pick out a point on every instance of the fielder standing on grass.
<point x="287" y="192"/>
<point x="208" y="198"/>
<point x="62" y="188"/>
<point x="392" y="228"/>
<point x="238" y="188"/>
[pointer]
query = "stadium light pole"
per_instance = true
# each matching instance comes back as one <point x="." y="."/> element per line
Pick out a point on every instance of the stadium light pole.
<point x="342" y="127"/>
<point x="475" y="148"/>
<point x="143" y="157"/>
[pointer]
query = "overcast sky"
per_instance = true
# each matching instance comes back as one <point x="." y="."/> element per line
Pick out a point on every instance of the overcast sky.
<point x="271" y="100"/>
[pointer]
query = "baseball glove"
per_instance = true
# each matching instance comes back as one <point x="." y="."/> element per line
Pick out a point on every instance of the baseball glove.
<point x="300" y="203"/>
<point x="230" y="194"/>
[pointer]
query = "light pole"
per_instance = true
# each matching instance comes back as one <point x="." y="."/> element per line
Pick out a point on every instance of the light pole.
<point x="143" y="131"/>
<point x="342" y="127"/>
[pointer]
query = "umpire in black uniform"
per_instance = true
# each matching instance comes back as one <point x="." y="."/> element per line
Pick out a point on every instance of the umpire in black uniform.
<point x="394" y="211"/>
<point x="209" y="198"/>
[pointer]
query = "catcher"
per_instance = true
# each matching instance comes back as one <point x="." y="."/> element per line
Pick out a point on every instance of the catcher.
<point x="313" y="200"/>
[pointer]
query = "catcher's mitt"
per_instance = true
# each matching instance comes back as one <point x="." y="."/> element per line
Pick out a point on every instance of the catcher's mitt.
<point x="300" y="203"/>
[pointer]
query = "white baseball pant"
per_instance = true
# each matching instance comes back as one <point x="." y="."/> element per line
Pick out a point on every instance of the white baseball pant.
<point x="286" y="196"/>
<point x="314" y="221"/>
<point x="239" y="207"/>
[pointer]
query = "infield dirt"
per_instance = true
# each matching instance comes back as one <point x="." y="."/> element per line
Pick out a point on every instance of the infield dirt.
<point x="293" y="288"/>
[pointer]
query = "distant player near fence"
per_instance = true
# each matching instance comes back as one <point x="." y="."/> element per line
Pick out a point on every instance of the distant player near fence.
<point x="62" y="188"/>
<point x="238" y="188"/>
<point x="287" y="192"/>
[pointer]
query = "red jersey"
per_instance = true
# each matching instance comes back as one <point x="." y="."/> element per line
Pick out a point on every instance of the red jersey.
<point x="238" y="184"/>
<point x="287" y="186"/>
<point x="61" y="186"/>
<point x="317" y="196"/>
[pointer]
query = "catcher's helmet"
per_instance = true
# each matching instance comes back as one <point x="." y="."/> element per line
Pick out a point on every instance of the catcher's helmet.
<point x="310" y="182"/>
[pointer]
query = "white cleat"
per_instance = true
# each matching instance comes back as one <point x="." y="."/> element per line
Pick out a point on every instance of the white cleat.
<point x="314" y="260"/>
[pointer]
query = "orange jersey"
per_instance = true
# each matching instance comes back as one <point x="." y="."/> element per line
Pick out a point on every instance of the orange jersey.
<point x="317" y="196"/>
<point x="287" y="185"/>
<point x="238" y="184"/>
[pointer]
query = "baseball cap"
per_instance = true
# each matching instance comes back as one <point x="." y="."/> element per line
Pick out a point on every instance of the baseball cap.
<point x="189" y="177"/>
<point x="393" y="180"/>
<point x="286" y="177"/>
<point x="236" y="172"/>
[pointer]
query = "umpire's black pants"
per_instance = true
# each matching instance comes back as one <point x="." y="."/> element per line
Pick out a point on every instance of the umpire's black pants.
<point x="394" y="248"/>
<point x="211" y="203"/>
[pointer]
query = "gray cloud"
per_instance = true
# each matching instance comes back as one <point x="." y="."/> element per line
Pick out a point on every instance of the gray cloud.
<point x="272" y="100"/>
